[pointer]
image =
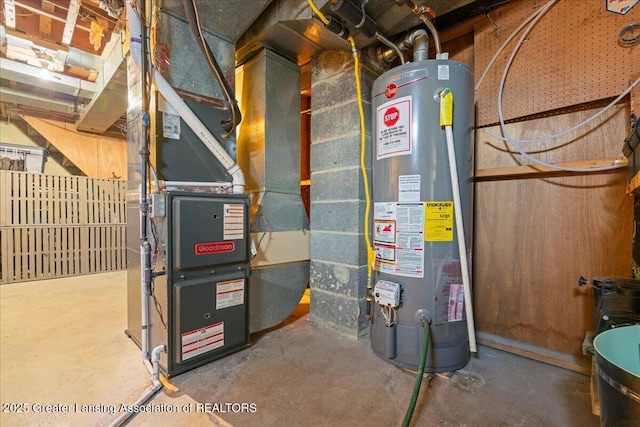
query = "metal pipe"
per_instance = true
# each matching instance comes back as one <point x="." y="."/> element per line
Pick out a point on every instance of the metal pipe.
<point x="423" y="13"/>
<point x="145" y="246"/>
<point x="433" y="31"/>
<point x="420" y="41"/>
<point x="392" y="45"/>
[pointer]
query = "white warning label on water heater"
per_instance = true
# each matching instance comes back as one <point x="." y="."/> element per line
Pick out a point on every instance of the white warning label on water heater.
<point x="399" y="238"/>
<point x="202" y="340"/>
<point x="409" y="188"/>
<point x="393" y="124"/>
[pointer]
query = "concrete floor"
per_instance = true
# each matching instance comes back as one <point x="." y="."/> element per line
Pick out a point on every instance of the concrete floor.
<point x="63" y="345"/>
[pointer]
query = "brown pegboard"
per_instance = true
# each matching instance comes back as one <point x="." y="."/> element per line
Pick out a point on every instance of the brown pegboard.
<point x="572" y="56"/>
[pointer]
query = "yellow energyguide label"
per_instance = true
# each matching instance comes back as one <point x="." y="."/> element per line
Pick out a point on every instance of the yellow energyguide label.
<point x="438" y="218"/>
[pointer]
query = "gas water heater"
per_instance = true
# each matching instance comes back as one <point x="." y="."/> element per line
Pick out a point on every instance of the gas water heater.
<point x="417" y="272"/>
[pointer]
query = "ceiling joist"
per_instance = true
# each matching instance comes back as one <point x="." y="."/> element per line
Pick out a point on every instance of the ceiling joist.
<point x="47" y="14"/>
<point x="70" y="25"/>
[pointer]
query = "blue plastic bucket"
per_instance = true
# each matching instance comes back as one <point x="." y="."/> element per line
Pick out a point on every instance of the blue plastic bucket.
<point x="618" y="369"/>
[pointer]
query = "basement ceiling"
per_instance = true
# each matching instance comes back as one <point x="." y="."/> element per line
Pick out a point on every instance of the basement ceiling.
<point x="55" y="62"/>
<point x="53" y="54"/>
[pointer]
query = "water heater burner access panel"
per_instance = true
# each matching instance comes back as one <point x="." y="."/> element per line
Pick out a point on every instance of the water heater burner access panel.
<point x="209" y="231"/>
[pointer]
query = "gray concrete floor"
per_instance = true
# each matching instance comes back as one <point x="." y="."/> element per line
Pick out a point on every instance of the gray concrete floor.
<point x="62" y="344"/>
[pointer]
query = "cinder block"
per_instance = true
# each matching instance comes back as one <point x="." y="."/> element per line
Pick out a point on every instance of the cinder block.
<point x="328" y="308"/>
<point x="329" y="63"/>
<point x="335" y="122"/>
<point x="338" y="247"/>
<point x="344" y="216"/>
<point x="346" y="280"/>
<point x="343" y="184"/>
<point x="339" y="153"/>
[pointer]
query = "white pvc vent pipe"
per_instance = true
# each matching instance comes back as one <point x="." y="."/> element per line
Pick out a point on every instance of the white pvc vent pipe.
<point x="210" y="141"/>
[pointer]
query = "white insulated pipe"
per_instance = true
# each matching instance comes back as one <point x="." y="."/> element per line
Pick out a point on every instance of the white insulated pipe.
<point x="462" y="242"/>
<point x="210" y="141"/>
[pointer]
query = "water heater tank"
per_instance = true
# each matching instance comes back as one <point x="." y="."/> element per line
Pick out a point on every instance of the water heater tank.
<point x="413" y="230"/>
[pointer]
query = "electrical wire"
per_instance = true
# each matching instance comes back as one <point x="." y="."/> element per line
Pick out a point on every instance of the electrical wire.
<point x="575" y="127"/>
<point x="515" y="143"/>
<point x="235" y="113"/>
<point x="156" y="303"/>
<point x="506" y="42"/>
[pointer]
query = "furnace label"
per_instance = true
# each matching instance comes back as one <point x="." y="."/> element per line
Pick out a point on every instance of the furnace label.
<point x="202" y="340"/>
<point x="229" y="293"/>
<point x="170" y="126"/>
<point x="393" y="133"/>
<point x="233" y="221"/>
<point x="438" y="218"/>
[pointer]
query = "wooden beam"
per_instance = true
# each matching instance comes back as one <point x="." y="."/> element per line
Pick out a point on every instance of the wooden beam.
<point x="461" y="29"/>
<point x="45" y="22"/>
<point x="36" y="41"/>
<point x="70" y="25"/>
<point x="49" y="15"/>
<point x="566" y="361"/>
<point x="10" y="14"/>
<point x="535" y="171"/>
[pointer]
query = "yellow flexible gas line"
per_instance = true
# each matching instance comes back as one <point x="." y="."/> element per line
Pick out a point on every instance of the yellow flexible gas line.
<point x="315" y="9"/>
<point x="365" y="178"/>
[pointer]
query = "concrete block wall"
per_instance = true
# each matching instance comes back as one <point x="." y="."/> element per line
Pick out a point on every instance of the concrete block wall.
<point x="338" y="250"/>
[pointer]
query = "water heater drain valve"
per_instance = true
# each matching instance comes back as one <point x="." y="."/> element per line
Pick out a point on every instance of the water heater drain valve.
<point x="387" y="293"/>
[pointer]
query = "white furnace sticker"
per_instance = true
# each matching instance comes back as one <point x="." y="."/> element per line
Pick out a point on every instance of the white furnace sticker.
<point x="393" y="134"/>
<point x="409" y="188"/>
<point x="403" y="255"/>
<point x="229" y="293"/>
<point x="202" y="340"/>
<point x="233" y="221"/>
<point x="170" y="126"/>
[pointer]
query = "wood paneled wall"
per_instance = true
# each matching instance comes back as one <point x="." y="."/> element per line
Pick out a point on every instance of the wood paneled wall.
<point x="537" y="231"/>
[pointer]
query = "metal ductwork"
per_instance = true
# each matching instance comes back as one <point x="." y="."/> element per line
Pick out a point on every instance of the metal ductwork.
<point x="26" y="98"/>
<point x="269" y="154"/>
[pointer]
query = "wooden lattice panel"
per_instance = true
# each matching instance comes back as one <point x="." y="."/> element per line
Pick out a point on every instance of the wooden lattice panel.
<point x="572" y="56"/>
<point x="56" y="226"/>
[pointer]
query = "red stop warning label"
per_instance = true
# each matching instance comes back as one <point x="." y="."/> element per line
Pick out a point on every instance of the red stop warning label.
<point x="391" y="116"/>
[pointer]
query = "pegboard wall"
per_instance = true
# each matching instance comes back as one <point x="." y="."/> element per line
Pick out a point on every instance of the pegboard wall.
<point x="571" y="56"/>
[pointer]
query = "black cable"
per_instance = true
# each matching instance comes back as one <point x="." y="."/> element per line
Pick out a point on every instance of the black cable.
<point x="191" y="12"/>
<point x="156" y="303"/>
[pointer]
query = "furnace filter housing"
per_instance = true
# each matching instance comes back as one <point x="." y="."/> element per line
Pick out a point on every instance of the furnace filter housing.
<point x="413" y="228"/>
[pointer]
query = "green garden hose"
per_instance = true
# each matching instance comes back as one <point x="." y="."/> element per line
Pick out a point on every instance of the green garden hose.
<point x="416" y="388"/>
